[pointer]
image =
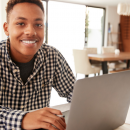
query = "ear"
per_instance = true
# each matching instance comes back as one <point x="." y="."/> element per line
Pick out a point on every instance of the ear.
<point x="6" y="26"/>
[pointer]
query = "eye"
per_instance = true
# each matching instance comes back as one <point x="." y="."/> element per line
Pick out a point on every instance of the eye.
<point x="39" y="25"/>
<point x="21" y="24"/>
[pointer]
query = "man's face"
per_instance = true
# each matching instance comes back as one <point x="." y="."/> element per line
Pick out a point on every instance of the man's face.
<point x="25" y="29"/>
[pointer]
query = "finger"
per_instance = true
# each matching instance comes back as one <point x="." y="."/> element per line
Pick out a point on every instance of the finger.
<point x="59" y="119"/>
<point x="54" y="122"/>
<point x="51" y="113"/>
<point x="47" y="112"/>
<point x="47" y="126"/>
<point x="54" y="111"/>
<point x="63" y="119"/>
<point x="58" y="125"/>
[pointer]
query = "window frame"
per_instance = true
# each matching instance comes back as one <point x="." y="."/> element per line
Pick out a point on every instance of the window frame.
<point x="46" y="27"/>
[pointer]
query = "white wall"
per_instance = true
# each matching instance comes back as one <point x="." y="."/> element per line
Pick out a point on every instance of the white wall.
<point x="114" y="20"/>
<point x="113" y="17"/>
<point x="3" y="4"/>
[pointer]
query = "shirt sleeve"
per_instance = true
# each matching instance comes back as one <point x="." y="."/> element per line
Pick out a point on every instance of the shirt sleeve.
<point x="10" y="119"/>
<point x="63" y="79"/>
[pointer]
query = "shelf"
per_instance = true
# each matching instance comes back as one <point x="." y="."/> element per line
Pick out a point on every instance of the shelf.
<point x="117" y="42"/>
<point x="114" y="33"/>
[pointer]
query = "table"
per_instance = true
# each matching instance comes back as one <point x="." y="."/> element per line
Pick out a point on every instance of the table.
<point x="104" y="58"/>
<point x="124" y="127"/>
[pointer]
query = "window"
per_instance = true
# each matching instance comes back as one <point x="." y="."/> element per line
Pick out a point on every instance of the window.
<point x="94" y="27"/>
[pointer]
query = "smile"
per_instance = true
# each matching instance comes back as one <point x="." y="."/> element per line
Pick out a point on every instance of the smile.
<point x="29" y="42"/>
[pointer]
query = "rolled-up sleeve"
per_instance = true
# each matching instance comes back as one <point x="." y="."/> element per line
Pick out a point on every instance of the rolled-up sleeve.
<point x="63" y="79"/>
<point x="10" y="119"/>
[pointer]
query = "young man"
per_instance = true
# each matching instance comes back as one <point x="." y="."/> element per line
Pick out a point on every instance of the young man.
<point x="29" y="69"/>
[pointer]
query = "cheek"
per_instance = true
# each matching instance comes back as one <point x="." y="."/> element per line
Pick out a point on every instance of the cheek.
<point x="15" y="33"/>
<point x="41" y="35"/>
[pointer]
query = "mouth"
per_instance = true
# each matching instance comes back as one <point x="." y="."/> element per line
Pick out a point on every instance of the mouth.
<point x="29" y="41"/>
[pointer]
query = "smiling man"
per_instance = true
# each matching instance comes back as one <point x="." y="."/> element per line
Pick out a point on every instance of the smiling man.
<point x="29" y="69"/>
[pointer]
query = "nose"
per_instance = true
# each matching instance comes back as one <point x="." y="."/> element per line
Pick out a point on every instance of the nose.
<point x="30" y="30"/>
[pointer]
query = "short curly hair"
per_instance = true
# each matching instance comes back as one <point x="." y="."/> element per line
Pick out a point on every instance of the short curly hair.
<point x="11" y="4"/>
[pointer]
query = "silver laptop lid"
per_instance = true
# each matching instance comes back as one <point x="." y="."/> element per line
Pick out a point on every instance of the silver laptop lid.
<point x="100" y="103"/>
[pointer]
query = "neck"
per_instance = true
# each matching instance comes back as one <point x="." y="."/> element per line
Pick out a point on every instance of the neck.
<point x="21" y="59"/>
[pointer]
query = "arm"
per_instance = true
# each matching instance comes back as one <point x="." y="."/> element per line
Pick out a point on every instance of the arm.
<point x="63" y="79"/>
<point x="42" y="118"/>
<point x="10" y="119"/>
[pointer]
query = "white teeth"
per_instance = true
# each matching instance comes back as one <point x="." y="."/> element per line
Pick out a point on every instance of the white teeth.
<point x="29" y="42"/>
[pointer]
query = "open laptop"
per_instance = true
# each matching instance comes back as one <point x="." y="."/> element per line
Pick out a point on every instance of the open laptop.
<point x="100" y="103"/>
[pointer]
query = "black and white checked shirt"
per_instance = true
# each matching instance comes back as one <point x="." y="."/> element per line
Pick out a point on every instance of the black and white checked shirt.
<point x="16" y="98"/>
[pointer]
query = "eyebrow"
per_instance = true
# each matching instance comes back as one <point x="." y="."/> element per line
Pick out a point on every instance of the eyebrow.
<point x="22" y="18"/>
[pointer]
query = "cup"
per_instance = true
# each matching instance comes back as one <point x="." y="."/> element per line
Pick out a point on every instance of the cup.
<point x="117" y="51"/>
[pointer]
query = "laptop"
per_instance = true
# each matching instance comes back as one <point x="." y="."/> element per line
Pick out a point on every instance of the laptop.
<point x="100" y="103"/>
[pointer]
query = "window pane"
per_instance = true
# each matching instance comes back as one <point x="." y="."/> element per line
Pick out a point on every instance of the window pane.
<point x="94" y="27"/>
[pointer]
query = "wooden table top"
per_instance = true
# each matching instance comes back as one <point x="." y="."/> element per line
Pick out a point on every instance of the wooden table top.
<point x="110" y="56"/>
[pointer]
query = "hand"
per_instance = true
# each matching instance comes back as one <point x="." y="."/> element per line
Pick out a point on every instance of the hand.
<point x="44" y="118"/>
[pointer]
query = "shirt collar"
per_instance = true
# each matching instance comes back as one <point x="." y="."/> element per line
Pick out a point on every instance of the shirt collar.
<point x="7" y="49"/>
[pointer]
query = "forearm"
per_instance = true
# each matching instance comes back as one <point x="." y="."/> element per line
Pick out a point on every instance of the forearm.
<point x="10" y="119"/>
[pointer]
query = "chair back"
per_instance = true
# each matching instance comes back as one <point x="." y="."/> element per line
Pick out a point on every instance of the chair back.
<point x="110" y="49"/>
<point x="81" y="61"/>
<point x="91" y="50"/>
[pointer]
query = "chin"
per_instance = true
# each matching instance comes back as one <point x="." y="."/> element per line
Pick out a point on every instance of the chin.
<point x="29" y="54"/>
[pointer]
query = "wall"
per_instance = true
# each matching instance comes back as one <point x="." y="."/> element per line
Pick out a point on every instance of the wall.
<point x="114" y="19"/>
<point x="2" y="18"/>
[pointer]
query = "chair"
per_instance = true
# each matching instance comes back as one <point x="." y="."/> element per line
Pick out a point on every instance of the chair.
<point x="93" y="50"/>
<point x="109" y="49"/>
<point x="114" y="64"/>
<point x="82" y="63"/>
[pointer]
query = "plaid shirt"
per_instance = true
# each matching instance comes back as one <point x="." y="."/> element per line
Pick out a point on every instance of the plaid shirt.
<point x="16" y="98"/>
